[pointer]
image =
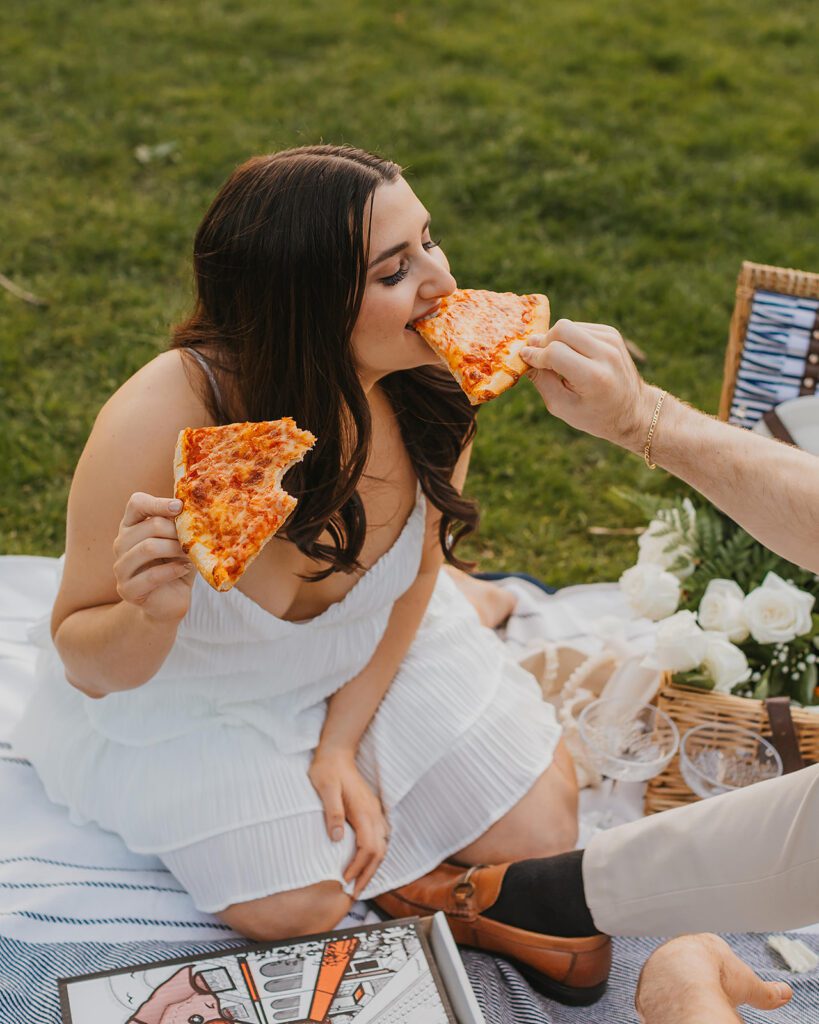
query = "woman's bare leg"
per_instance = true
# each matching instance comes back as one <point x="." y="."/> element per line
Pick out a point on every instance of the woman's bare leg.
<point x="541" y="824"/>
<point x="493" y="604"/>
<point x="315" y="908"/>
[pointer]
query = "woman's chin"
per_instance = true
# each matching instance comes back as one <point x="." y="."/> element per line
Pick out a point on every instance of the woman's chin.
<point x="418" y="353"/>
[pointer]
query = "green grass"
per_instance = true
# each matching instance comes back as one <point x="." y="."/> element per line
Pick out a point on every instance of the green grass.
<point x="622" y="157"/>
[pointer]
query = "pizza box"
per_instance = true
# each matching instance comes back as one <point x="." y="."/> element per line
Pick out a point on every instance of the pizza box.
<point x="406" y="972"/>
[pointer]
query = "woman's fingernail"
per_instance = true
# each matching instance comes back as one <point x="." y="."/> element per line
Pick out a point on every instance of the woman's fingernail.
<point x="338" y="835"/>
<point x="783" y="991"/>
<point x="174" y="505"/>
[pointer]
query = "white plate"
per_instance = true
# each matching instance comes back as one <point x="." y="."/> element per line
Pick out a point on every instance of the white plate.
<point x="801" y="417"/>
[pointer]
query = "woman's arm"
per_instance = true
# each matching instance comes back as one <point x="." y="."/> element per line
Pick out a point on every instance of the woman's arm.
<point x="587" y="378"/>
<point x="351" y="709"/>
<point x="344" y="793"/>
<point x="120" y="645"/>
<point x="125" y="584"/>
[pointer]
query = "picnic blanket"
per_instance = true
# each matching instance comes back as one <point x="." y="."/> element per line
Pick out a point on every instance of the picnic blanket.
<point x="75" y="900"/>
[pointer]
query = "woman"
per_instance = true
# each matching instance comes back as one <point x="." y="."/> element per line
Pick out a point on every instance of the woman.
<point x="341" y="721"/>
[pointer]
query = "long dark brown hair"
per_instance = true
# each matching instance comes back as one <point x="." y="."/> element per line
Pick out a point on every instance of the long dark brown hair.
<point x="280" y="266"/>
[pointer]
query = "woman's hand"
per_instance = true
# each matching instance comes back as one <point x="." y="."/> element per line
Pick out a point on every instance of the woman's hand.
<point x="346" y="796"/>
<point x="587" y="378"/>
<point x="151" y="569"/>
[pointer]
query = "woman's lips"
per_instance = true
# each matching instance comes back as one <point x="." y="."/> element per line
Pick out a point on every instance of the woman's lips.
<point x="426" y="316"/>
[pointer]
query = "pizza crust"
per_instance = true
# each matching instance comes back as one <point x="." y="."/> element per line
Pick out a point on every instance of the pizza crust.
<point x="204" y="559"/>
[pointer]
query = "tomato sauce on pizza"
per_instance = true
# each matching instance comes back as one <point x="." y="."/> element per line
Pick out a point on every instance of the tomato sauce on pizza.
<point x="479" y="335"/>
<point x="229" y="481"/>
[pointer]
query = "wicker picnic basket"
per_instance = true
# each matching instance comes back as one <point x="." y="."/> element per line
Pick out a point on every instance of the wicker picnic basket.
<point x="752" y="277"/>
<point x="689" y="706"/>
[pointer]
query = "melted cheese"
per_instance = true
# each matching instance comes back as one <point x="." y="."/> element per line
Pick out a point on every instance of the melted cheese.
<point x="479" y="334"/>
<point x="228" y="480"/>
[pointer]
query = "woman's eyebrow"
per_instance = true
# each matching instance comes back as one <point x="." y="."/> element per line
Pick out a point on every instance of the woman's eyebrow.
<point x="385" y="255"/>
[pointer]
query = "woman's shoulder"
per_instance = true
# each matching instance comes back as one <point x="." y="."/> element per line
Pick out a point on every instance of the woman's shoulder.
<point x="138" y="426"/>
<point x="167" y="390"/>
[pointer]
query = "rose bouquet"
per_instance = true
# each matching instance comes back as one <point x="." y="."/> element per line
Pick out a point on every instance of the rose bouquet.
<point x="731" y="615"/>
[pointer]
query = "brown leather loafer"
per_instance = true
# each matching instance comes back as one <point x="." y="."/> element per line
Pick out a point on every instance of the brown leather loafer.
<point x="571" y="971"/>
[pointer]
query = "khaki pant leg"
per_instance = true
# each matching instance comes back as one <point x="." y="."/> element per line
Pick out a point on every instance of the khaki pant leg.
<point x="742" y="862"/>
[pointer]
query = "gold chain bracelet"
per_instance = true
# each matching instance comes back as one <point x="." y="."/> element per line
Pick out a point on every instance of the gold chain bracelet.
<point x="650" y="437"/>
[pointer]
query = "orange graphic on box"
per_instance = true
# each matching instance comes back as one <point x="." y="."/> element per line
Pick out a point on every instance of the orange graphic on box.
<point x="334" y="963"/>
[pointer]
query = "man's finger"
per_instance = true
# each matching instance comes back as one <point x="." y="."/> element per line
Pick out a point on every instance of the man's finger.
<point x="559" y="357"/>
<point x="568" y="363"/>
<point x="535" y="357"/>
<point x="742" y="985"/>
<point x="770" y="995"/>
<point x="580" y="338"/>
<point x="557" y="397"/>
<point x="140" y="506"/>
<point x="601" y="330"/>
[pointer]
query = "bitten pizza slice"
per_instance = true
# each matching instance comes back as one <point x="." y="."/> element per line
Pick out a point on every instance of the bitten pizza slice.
<point x="229" y="482"/>
<point x="479" y="336"/>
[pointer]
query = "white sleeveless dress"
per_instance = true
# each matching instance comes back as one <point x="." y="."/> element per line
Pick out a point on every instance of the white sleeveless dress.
<point x="205" y="765"/>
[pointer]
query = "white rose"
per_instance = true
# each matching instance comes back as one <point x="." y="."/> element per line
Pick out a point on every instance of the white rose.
<point x="777" y="611"/>
<point x="725" y="663"/>
<point x="664" y="541"/>
<point x="721" y="610"/>
<point x="679" y="643"/>
<point x="651" y="591"/>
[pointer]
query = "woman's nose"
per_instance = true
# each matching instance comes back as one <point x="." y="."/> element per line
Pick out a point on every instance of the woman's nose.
<point x="438" y="284"/>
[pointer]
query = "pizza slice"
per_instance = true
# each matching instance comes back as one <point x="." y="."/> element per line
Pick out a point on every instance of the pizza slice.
<point x="479" y="335"/>
<point x="229" y="482"/>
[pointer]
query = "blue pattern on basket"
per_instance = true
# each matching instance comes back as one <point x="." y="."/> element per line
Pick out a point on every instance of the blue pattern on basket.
<point x="774" y="349"/>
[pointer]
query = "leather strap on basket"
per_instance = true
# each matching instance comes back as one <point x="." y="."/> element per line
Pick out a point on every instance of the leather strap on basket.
<point x="783" y="733"/>
<point x="777" y="427"/>
<point x="810" y="381"/>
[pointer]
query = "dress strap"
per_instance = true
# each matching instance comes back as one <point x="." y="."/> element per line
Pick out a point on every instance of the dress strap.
<point x="197" y="355"/>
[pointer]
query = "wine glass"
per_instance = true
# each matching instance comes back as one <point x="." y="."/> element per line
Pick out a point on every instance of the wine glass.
<point x="628" y="742"/>
<point x="719" y="757"/>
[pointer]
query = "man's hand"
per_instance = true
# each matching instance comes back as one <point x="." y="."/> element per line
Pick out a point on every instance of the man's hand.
<point x="697" y="978"/>
<point x="587" y="378"/>
<point x="346" y="796"/>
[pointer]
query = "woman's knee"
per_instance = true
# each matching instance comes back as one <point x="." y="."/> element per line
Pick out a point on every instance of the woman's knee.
<point x="315" y="908"/>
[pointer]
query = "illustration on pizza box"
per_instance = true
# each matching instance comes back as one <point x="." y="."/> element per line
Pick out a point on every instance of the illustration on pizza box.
<point x="377" y="973"/>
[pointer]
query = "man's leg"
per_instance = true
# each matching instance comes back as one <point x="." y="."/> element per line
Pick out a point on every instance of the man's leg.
<point x="743" y="862"/>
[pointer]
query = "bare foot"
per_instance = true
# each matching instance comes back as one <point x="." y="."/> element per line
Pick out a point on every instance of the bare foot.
<point x="493" y="604"/>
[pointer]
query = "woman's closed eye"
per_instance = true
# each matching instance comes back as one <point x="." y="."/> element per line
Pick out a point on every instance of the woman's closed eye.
<point x="403" y="268"/>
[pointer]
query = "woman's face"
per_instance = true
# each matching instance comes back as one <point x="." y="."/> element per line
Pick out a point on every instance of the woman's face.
<point x="407" y="277"/>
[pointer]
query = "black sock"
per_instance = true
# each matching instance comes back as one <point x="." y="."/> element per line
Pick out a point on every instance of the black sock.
<point x="545" y="895"/>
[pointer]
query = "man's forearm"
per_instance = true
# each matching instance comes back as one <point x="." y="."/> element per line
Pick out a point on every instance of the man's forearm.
<point x="769" y="488"/>
<point x="351" y="709"/>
